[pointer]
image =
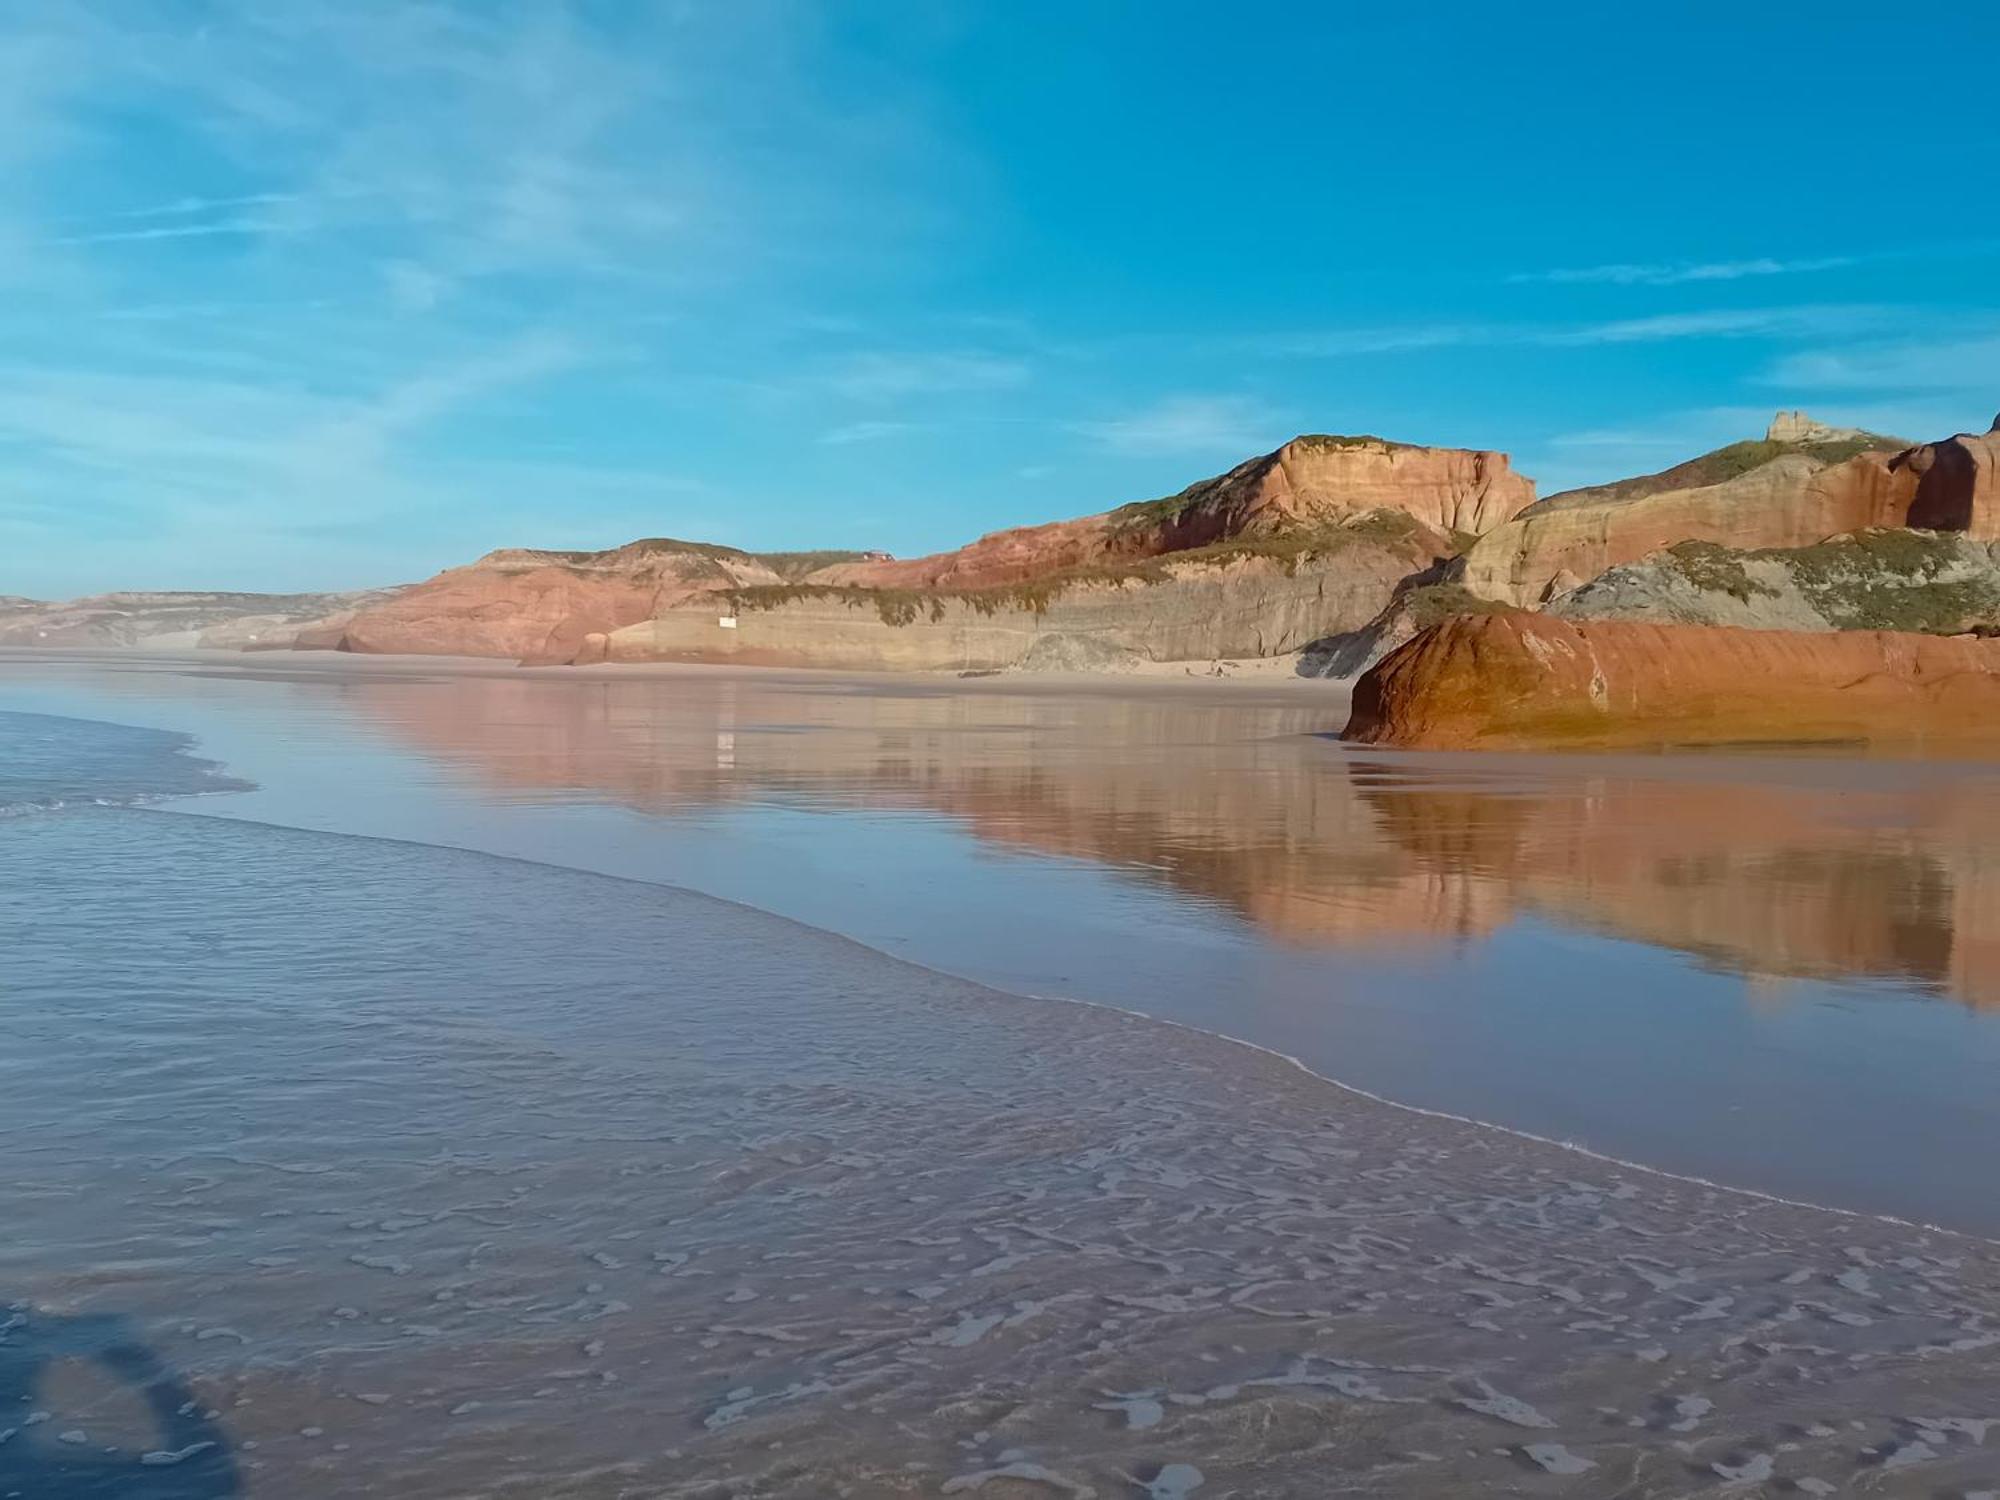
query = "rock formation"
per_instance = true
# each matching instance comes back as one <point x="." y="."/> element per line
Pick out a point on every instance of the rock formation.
<point x="1260" y="599"/>
<point x="1796" y="427"/>
<point x="540" y="607"/>
<point x="170" y="621"/>
<point x="1299" y="543"/>
<point x="1424" y="601"/>
<point x="1940" y="583"/>
<point x="1520" y="680"/>
<point x="1311" y="482"/>
<point x="1750" y="495"/>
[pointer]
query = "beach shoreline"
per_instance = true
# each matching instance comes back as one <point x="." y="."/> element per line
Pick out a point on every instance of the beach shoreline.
<point x="966" y="1238"/>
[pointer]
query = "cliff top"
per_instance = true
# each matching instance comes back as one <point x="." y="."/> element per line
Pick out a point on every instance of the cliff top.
<point x="1797" y="427"/>
<point x="784" y="564"/>
<point x="1822" y="444"/>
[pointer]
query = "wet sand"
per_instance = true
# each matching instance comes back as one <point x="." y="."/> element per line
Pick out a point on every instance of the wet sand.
<point x="432" y="1174"/>
<point x="1778" y="971"/>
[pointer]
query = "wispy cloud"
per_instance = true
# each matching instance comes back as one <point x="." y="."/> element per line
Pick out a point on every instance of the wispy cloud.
<point x="1679" y="273"/>
<point x="183" y="207"/>
<point x="1971" y="365"/>
<point x="1724" y="323"/>
<point x="1794" y="322"/>
<point x="200" y="467"/>
<point x="1190" y="424"/>
<point x="174" y="232"/>
<point x="864" y="432"/>
<point x="878" y="376"/>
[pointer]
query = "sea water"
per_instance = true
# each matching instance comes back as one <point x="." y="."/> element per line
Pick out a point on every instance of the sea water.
<point x="343" y="1165"/>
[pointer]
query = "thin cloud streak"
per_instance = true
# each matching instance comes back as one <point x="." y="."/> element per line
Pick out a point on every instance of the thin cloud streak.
<point x="1970" y="365"/>
<point x="181" y="207"/>
<point x="1682" y="273"/>
<point x="1189" y="424"/>
<point x="1803" y="321"/>
<point x="175" y="232"/>
<point x="864" y="432"/>
<point x="896" y="376"/>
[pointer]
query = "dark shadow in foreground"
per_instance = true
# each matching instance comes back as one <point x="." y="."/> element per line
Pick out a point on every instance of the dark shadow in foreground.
<point x="188" y="1459"/>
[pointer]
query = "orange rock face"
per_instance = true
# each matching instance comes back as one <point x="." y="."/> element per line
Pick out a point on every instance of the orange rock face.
<point x="1521" y="680"/>
<point x="1309" y="481"/>
<point x="1953" y="485"/>
<point x="561" y="607"/>
<point x="544" y="607"/>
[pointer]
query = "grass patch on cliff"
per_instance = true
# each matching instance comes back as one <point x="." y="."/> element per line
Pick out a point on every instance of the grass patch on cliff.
<point x="798" y="564"/>
<point x="647" y="546"/>
<point x="1925" y="582"/>
<point x="1169" y="509"/>
<point x="1289" y="549"/>
<point x="1931" y="582"/>
<point x="1717" y="569"/>
<point x="1433" y="603"/>
<point x="1723" y="465"/>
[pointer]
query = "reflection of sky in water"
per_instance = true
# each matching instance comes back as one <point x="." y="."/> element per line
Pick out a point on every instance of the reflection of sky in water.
<point x="1768" y="972"/>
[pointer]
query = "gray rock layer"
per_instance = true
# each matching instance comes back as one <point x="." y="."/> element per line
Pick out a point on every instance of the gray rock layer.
<point x="1932" y="582"/>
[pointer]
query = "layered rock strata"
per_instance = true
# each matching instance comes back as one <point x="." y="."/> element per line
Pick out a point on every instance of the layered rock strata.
<point x="1174" y="609"/>
<point x="1311" y="482"/>
<point x="1793" y="498"/>
<point x="1940" y="583"/>
<point x="179" y="621"/>
<point x="1519" y="680"/>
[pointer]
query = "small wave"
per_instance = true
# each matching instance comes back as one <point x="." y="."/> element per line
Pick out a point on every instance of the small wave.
<point x="48" y="763"/>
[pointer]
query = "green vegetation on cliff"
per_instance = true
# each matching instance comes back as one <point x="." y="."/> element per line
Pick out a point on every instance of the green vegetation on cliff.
<point x="1897" y="580"/>
<point x="1722" y="465"/>
<point x="799" y="564"/>
<point x="1433" y="603"/>
<point x="1928" y="582"/>
<point x="1712" y="566"/>
<point x="1166" y="511"/>
<point x="1289" y="549"/>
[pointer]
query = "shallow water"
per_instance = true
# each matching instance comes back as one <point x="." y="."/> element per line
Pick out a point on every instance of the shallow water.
<point x="341" y="1166"/>
<point x="1781" y="972"/>
<point x="48" y="762"/>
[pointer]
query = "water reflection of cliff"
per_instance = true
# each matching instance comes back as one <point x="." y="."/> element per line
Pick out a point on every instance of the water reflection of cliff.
<point x="1869" y="869"/>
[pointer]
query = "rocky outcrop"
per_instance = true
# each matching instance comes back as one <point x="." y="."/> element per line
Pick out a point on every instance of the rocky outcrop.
<point x="1793" y="427"/>
<point x="1252" y="601"/>
<point x="1940" y="583"/>
<point x="1752" y="495"/>
<point x="179" y="621"/>
<point x="542" y="607"/>
<point x="1522" y="680"/>
<point x="1305" y="541"/>
<point x="1310" y="483"/>
<point x="1424" y="601"/>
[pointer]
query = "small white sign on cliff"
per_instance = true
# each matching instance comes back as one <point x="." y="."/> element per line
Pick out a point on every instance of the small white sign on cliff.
<point x="727" y="622"/>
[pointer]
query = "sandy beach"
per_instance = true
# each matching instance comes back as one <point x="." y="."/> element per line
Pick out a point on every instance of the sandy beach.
<point x="965" y="1242"/>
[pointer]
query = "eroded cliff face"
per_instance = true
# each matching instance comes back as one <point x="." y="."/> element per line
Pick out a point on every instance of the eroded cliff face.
<point x="1306" y="541"/>
<point x="1793" y="500"/>
<point x="1939" y="583"/>
<point x="179" y="620"/>
<point x="541" y="607"/>
<point x="1311" y="482"/>
<point x="1520" y="680"/>
<point x="1247" y="605"/>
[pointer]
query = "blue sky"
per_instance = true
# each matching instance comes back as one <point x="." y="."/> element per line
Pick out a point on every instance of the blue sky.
<point x="332" y="294"/>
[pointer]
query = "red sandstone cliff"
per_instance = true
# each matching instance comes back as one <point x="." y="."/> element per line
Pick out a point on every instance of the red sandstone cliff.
<point x="1312" y="481"/>
<point x="1794" y="499"/>
<point x="1317" y="499"/>
<point x="540" y="607"/>
<point x="1519" y="680"/>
